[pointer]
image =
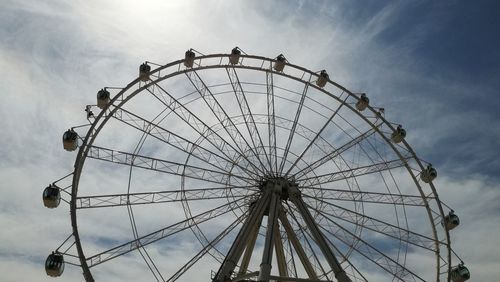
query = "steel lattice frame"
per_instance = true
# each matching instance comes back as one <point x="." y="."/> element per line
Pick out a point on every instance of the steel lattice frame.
<point x="317" y="230"/>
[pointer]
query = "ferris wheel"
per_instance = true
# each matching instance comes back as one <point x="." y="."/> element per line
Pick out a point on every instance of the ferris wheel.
<point x="235" y="167"/>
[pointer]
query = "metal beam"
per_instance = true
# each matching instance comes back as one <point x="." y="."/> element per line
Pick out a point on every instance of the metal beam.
<point x="292" y="279"/>
<point x="294" y="126"/>
<point x="200" y="126"/>
<point x="247" y="114"/>
<point x="175" y="140"/>
<point x="245" y="261"/>
<point x="280" y="253"/>
<point x="162" y="233"/>
<point x="363" y="196"/>
<point x="240" y="242"/>
<point x="296" y="199"/>
<point x="195" y="172"/>
<point x="373" y="254"/>
<point x="272" y="218"/>
<point x="352" y="172"/>
<point x="390" y="230"/>
<point x="333" y="154"/>
<point x="317" y="135"/>
<point x="224" y="119"/>
<point x="292" y="237"/>
<point x="271" y="123"/>
<point x="205" y="250"/>
<point x="167" y="196"/>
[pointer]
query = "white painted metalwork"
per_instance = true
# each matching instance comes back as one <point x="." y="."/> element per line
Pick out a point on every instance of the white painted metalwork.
<point x="279" y="174"/>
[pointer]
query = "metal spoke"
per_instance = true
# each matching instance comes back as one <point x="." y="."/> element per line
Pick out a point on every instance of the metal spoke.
<point x="292" y="237"/>
<point x="311" y="143"/>
<point x="334" y="154"/>
<point x="210" y="245"/>
<point x="284" y="123"/>
<point x="307" y="242"/>
<point x="290" y="262"/>
<point x="280" y="253"/>
<point x="365" y="197"/>
<point x="288" y="279"/>
<point x="201" y="127"/>
<point x="177" y="141"/>
<point x="346" y="259"/>
<point x="373" y="224"/>
<point x="223" y="118"/>
<point x="271" y="122"/>
<point x="142" y="250"/>
<point x="241" y="240"/>
<point x="163" y="233"/>
<point x="353" y="172"/>
<point x="370" y="252"/>
<point x="318" y="236"/>
<point x="326" y="218"/>
<point x="166" y="196"/>
<point x="247" y="115"/>
<point x="245" y="261"/>
<point x="292" y="130"/>
<point x="165" y="166"/>
<point x="267" y="254"/>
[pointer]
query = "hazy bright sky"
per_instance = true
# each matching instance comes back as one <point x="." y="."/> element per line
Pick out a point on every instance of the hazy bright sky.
<point x="433" y="65"/>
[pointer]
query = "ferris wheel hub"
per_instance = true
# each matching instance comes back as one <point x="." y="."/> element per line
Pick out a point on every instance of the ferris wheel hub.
<point x="280" y="185"/>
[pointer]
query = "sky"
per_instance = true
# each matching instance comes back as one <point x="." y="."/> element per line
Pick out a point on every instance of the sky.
<point x="434" y="67"/>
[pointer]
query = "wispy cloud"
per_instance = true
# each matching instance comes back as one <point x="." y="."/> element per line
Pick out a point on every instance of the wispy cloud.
<point x="54" y="56"/>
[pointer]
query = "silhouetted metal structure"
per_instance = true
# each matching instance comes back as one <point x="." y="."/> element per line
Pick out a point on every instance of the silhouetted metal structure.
<point x="282" y="175"/>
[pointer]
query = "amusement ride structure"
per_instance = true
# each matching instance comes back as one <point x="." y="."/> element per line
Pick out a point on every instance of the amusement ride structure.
<point x="249" y="169"/>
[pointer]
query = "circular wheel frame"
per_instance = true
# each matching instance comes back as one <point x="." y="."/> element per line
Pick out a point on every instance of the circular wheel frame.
<point x="276" y="156"/>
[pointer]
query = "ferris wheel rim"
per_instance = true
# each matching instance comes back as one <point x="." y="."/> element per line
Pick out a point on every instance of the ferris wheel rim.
<point x="201" y="233"/>
<point x="98" y="125"/>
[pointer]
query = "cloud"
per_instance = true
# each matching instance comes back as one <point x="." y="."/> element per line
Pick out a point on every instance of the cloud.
<point x="54" y="56"/>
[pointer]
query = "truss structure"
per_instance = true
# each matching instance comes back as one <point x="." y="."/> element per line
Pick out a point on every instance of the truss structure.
<point x="256" y="171"/>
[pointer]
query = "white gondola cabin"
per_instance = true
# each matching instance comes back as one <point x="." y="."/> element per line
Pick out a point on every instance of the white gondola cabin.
<point x="234" y="58"/>
<point x="279" y="65"/>
<point x="322" y="79"/>
<point x="189" y="58"/>
<point x="459" y="273"/>
<point x="144" y="72"/>
<point x="51" y="196"/>
<point x="451" y="221"/>
<point x="398" y="135"/>
<point x="362" y="103"/>
<point x="103" y="98"/>
<point x="70" y="140"/>
<point x="54" y="265"/>
<point x="428" y="174"/>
